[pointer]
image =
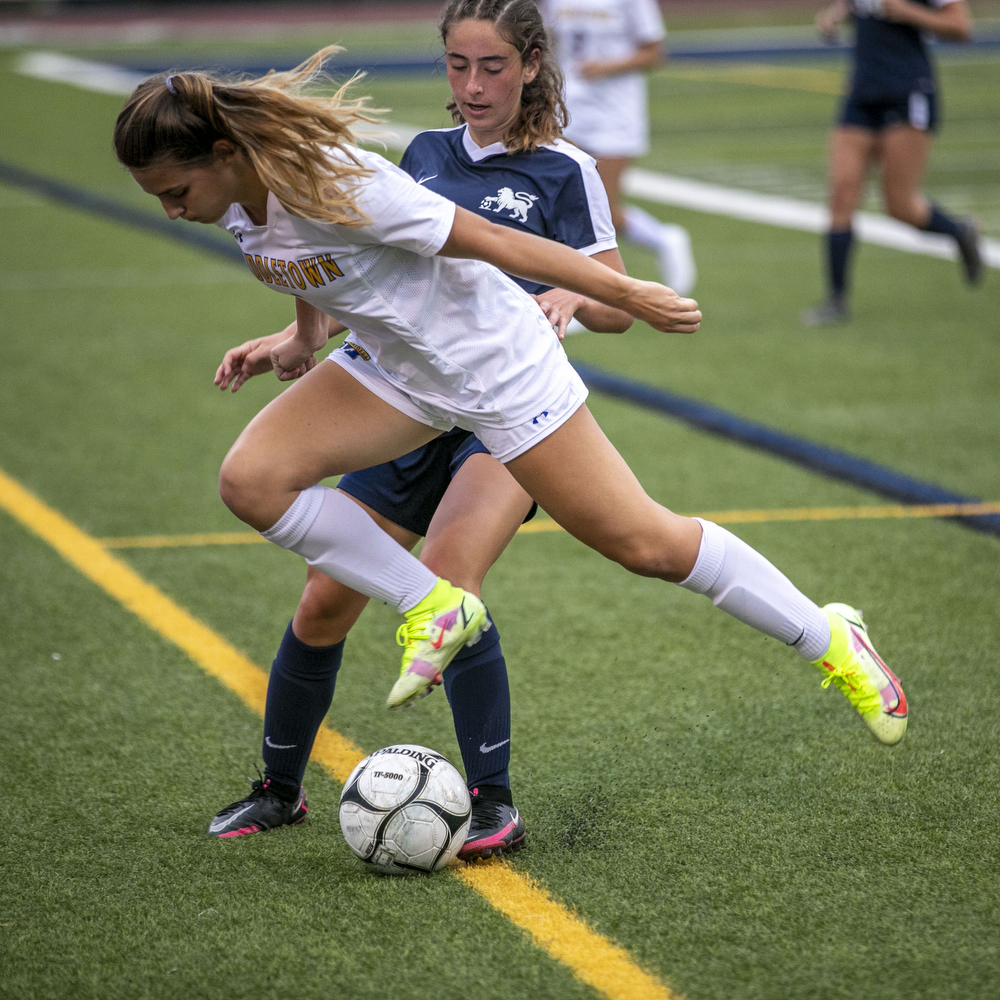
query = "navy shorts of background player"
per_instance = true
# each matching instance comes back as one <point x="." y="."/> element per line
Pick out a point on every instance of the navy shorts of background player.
<point x="555" y="193"/>
<point x="408" y="490"/>
<point x="893" y="80"/>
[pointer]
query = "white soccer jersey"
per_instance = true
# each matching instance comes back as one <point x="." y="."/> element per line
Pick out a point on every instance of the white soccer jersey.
<point x="458" y="334"/>
<point x="608" y="117"/>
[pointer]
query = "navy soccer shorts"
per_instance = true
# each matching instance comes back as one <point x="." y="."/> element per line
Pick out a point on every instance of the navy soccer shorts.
<point x="917" y="109"/>
<point x="408" y="490"/>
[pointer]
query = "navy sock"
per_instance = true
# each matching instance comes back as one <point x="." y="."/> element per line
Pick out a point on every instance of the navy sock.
<point x="299" y="692"/>
<point x="838" y="251"/>
<point x="941" y="223"/>
<point x="477" y="690"/>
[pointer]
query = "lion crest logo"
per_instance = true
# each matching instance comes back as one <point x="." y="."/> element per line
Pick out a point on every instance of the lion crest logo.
<point x="506" y="200"/>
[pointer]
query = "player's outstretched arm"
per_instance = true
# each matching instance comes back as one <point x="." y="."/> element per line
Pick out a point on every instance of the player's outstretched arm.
<point x="551" y="263"/>
<point x="561" y="306"/>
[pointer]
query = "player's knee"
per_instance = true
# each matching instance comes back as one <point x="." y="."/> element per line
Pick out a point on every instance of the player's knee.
<point x="242" y="487"/>
<point x="667" y="550"/>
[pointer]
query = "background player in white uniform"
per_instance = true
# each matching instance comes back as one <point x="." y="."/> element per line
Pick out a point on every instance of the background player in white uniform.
<point x="451" y="491"/>
<point x="442" y="340"/>
<point x="605" y="48"/>
<point x="890" y="115"/>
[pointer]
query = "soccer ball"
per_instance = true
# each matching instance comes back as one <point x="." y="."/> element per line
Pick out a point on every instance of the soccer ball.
<point x="405" y="809"/>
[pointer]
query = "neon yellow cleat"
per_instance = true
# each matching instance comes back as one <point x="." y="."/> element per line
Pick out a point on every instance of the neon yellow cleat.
<point x="852" y="664"/>
<point x="447" y="619"/>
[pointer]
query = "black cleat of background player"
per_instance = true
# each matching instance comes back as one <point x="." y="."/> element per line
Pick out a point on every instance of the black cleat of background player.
<point x="970" y="252"/>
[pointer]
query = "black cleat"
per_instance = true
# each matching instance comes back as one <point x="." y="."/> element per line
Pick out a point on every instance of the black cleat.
<point x="496" y="827"/>
<point x="970" y="253"/>
<point x="262" y="810"/>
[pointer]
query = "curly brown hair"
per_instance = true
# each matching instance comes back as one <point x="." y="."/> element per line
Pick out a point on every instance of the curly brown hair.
<point x="519" y="23"/>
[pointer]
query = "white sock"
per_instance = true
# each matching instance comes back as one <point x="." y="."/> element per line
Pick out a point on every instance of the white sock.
<point x="336" y="536"/>
<point x="740" y="581"/>
<point x="672" y="244"/>
<point x="642" y="228"/>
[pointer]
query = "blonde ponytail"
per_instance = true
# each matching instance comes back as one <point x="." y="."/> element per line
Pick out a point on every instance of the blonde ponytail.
<point x="286" y="135"/>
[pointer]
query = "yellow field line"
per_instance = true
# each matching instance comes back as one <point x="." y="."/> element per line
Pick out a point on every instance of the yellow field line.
<point x="815" y="81"/>
<point x="180" y="541"/>
<point x="544" y="524"/>
<point x="591" y="957"/>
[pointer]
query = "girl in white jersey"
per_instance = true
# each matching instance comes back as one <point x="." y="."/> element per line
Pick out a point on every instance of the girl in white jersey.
<point x="442" y="340"/>
<point x="451" y="492"/>
<point x="606" y="47"/>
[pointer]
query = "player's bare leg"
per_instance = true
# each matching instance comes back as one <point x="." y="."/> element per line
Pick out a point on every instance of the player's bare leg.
<point x="903" y="152"/>
<point x="904" y="158"/>
<point x="615" y="517"/>
<point x="325" y="424"/>
<point x="851" y="150"/>
<point x="475" y="521"/>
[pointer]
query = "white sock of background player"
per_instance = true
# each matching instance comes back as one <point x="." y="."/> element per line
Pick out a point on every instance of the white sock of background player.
<point x="740" y="581"/>
<point x="671" y="243"/>
<point x="336" y="536"/>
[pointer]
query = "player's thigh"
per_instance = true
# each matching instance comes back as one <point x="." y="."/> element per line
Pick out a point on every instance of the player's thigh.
<point x="328" y="609"/>
<point x="904" y="152"/>
<point x="851" y="150"/>
<point x="581" y="481"/>
<point x="325" y="424"/>
<point x="477" y="517"/>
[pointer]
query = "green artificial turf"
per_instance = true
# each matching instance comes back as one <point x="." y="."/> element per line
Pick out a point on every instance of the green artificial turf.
<point x="688" y="788"/>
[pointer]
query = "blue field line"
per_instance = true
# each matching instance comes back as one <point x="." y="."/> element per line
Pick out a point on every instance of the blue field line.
<point x="831" y="462"/>
<point x="111" y="208"/>
<point x="819" y="458"/>
<point x="414" y="64"/>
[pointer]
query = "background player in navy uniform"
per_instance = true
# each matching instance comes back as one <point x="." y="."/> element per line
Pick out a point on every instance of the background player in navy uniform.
<point x="451" y="491"/>
<point x="889" y="115"/>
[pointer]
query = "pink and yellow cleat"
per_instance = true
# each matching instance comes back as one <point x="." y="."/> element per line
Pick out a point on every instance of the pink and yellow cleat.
<point x="852" y="664"/>
<point x="447" y="619"/>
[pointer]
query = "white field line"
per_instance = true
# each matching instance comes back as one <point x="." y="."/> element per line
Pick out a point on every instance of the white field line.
<point x="680" y="192"/>
<point x="789" y="213"/>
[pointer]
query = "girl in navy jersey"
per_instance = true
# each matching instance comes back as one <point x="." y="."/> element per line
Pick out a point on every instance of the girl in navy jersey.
<point x="508" y="164"/>
<point x="439" y="339"/>
<point x="889" y="115"/>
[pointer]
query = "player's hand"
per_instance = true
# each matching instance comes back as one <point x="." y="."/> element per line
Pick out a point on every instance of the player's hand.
<point x="662" y="308"/>
<point x="240" y="364"/>
<point x="291" y="359"/>
<point x="560" y="307"/>
<point x="829" y="19"/>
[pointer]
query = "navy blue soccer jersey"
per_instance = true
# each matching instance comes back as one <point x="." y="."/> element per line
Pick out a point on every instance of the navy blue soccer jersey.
<point x="890" y="59"/>
<point x="554" y="192"/>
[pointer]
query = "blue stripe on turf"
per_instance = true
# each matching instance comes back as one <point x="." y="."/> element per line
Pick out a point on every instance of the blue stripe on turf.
<point x="819" y="458"/>
<point x="110" y="208"/>
<point x="416" y="63"/>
